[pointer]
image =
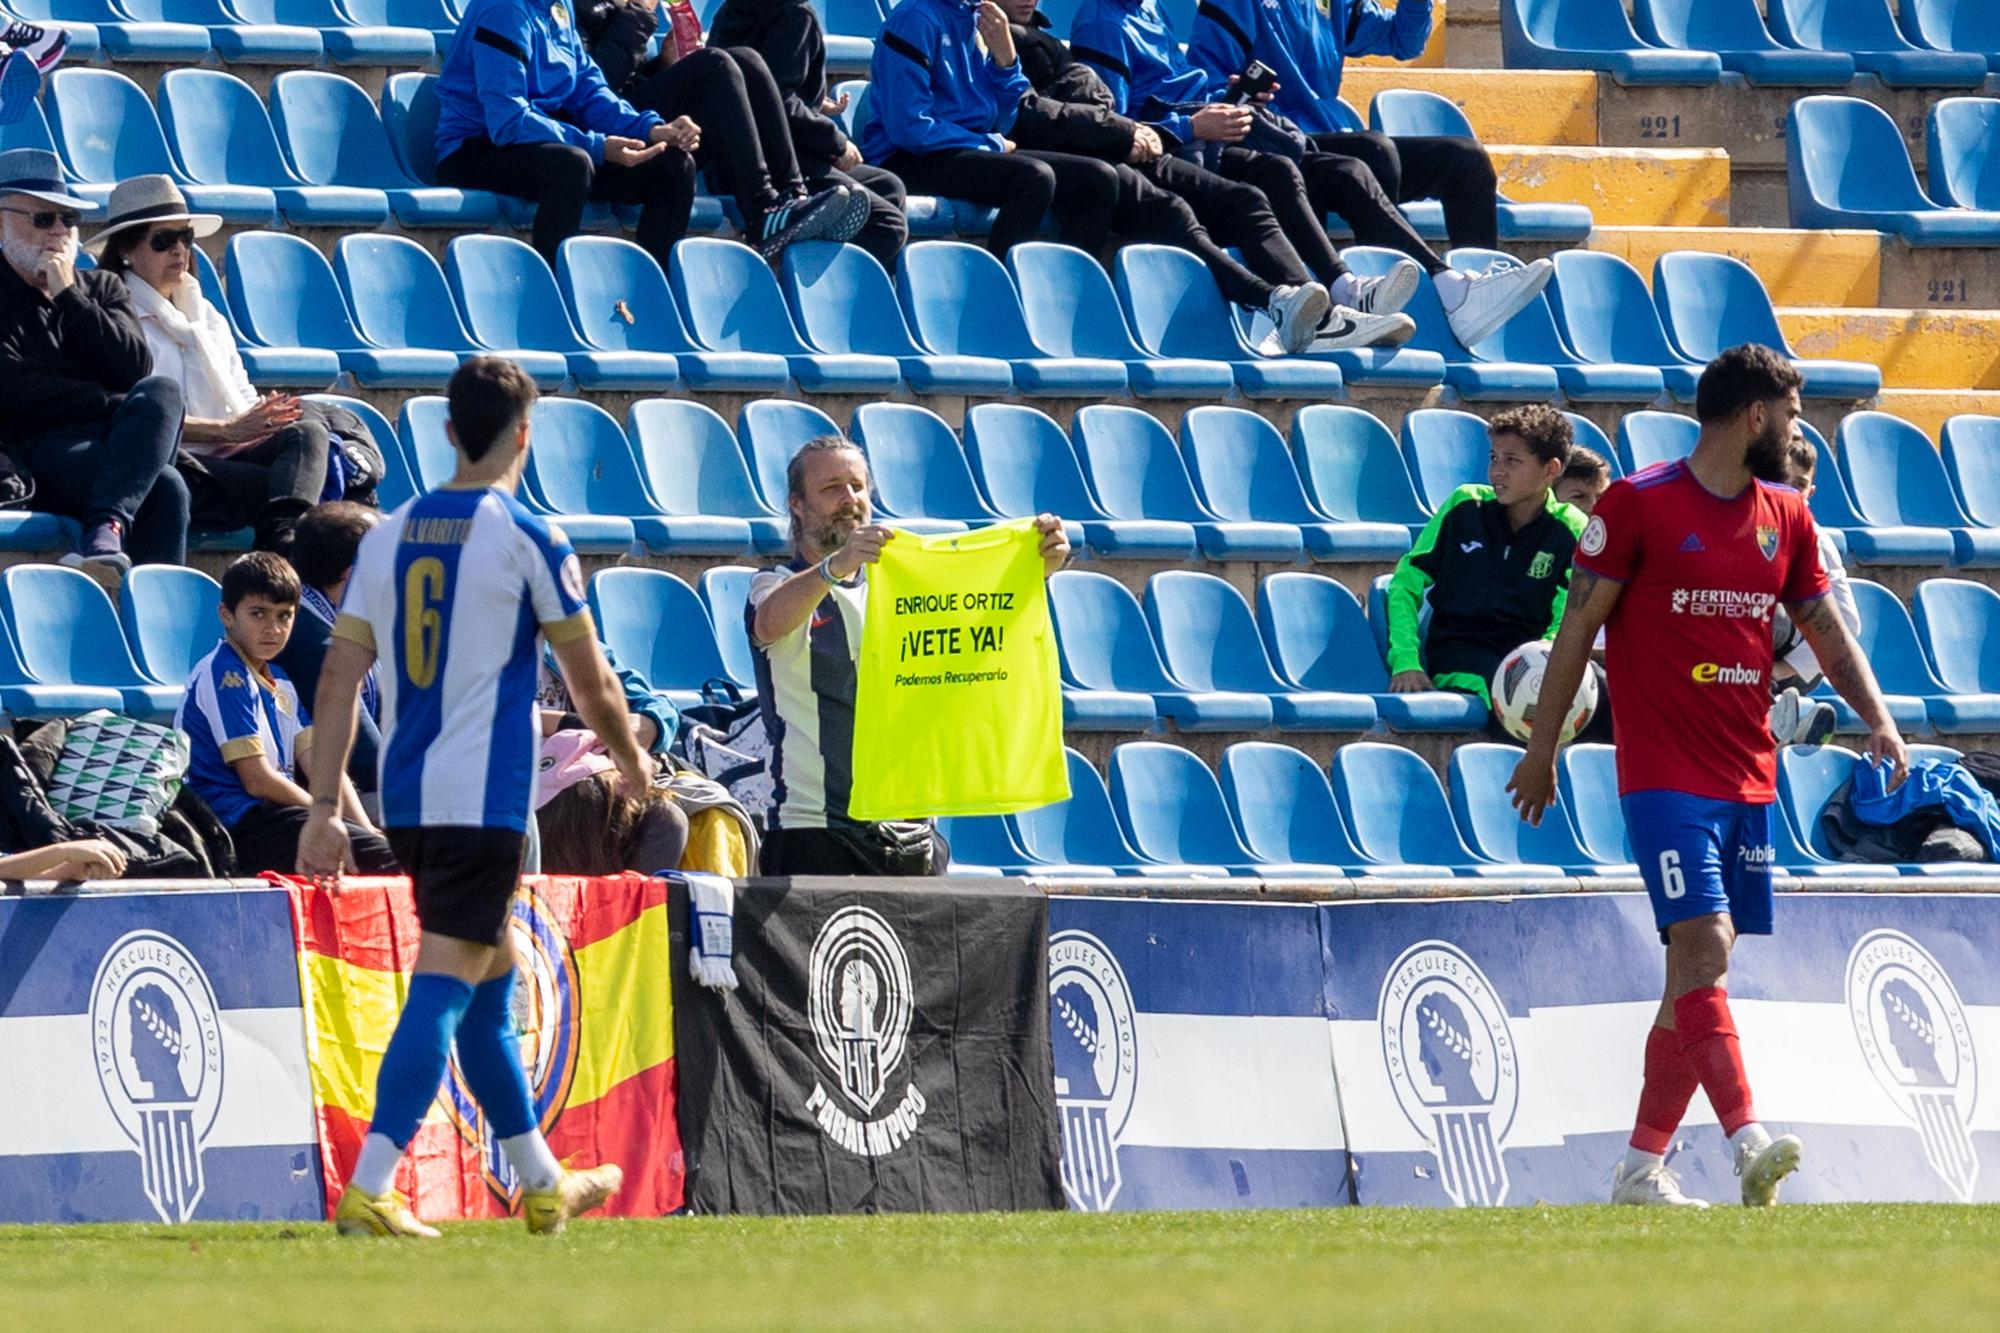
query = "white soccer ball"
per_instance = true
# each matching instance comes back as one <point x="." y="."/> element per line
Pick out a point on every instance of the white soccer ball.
<point x="1517" y="686"/>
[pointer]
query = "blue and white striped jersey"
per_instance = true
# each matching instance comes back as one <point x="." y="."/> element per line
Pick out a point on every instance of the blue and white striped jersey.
<point x="452" y="592"/>
<point x="230" y="712"/>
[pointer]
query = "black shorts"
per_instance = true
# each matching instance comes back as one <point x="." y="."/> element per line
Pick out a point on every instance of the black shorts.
<point x="464" y="878"/>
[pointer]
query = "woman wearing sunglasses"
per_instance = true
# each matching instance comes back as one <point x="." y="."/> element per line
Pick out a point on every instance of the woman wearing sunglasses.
<point x="257" y="459"/>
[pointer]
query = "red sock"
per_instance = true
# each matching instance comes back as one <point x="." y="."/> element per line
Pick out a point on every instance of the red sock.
<point x="1708" y="1036"/>
<point x="1663" y="1097"/>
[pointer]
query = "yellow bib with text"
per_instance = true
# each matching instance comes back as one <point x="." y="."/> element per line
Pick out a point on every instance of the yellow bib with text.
<point x="958" y="699"/>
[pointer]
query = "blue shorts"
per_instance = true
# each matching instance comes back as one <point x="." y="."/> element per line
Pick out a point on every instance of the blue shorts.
<point x="1700" y="856"/>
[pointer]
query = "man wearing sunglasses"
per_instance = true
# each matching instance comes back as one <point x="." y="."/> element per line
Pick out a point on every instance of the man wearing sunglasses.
<point x="82" y="413"/>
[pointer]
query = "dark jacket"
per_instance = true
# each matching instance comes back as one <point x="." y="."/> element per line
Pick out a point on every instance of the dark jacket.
<point x="788" y="35"/>
<point x="304" y="655"/>
<point x="1071" y="110"/>
<point x="618" y="33"/>
<point x="68" y="361"/>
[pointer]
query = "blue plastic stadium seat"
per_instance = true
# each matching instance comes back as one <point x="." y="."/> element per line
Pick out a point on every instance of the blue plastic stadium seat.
<point x="168" y="613"/>
<point x="581" y="470"/>
<point x="242" y="33"/>
<point x="843" y="302"/>
<point x="1136" y="471"/>
<point x="1647" y="438"/>
<point x="696" y="473"/>
<point x="1962" y="157"/>
<point x="1708" y="302"/>
<point x="1898" y="480"/>
<point x="959" y="301"/>
<point x="1471" y="375"/>
<point x="1846" y="166"/>
<point x="1588" y="434"/>
<point x="1395" y="807"/>
<point x="1317" y="639"/>
<point x="1072" y="311"/>
<point x="1889" y="641"/>
<point x="725" y="591"/>
<point x="1832" y="505"/>
<point x="1353" y="472"/>
<point x="1025" y="464"/>
<point x="1608" y="318"/>
<point x="1971" y="449"/>
<point x="656" y="626"/>
<point x="106" y="131"/>
<point x="1866" y="30"/>
<point x="402" y="305"/>
<point x="1808" y="776"/>
<point x="1532" y="338"/>
<point x="1171" y="809"/>
<point x="375" y="32"/>
<point x="921" y="480"/>
<point x="221" y="136"/>
<point x="770" y="431"/>
<point x="141" y="35"/>
<point x="1113" y="679"/>
<point x="333" y="136"/>
<point x="1208" y="641"/>
<point x="1080" y="833"/>
<point x="850" y="27"/>
<point x="1418" y="112"/>
<point x="66" y="632"/>
<point x="1587" y="784"/>
<point x="1285" y="814"/>
<point x="426" y="446"/>
<point x="1173" y="309"/>
<point x="1959" y="624"/>
<point x="288" y="308"/>
<point x="1493" y="828"/>
<point x="1242" y="472"/>
<point x="1955" y="25"/>
<point x="982" y="845"/>
<point x="1735" y="31"/>
<point x="510" y="303"/>
<point x="1594" y="34"/>
<point x="1445" y="449"/>
<point x="730" y="302"/>
<point x="619" y="300"/>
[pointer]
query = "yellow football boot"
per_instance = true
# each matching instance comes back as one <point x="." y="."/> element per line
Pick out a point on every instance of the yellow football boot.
<point x="359" y="1214"/>
<point x="549" y="1211"/>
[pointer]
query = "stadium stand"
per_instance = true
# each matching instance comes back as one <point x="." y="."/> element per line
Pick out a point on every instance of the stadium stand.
<point x="1957" y="621"/>
<point x="1963" y="152"/>
<point x="1866" y="30"/>
<point x="1846" y="166"/>
<point x="1646" y="438"/>
<point x="921" y="478"/>
<point x="1242" y="473"/>
<point x="730" y="302"/>
<point x="692" y="466"/>
<point x="1954" y="25"/>
<point x="843" y="302"/>
<point x="1735" y="32"/>
<point x="168" y="615"/>
<point x="959" y="301"/>
<point x="1708" y="302"/>
<point x="1353" y="472"/>
<point x="1493" y="829"/>
<point x="1898" y="479"/>
<point x="1419" y="112"/>
<point x="1284" y="811"/>
<point x="1072" y="311"/>
<point x="1531" y="338"/>
<point x="333" y="136"/>
<point x="1171" y="810"/>
<point x="1608" y="318"/>
<point x="1025" y="464"/>
<point x="659" y="628"/>
<point x="511" y="305"/>
<point x="1174" y="311"/>
<point x="1595" y="34"/>
<point x="1444" y="449"/>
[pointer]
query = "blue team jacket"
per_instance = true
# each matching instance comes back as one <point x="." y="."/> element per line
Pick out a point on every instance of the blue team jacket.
<point x="932" y="88"/>
<point x="517" y="73"/>
<point x="1131" y="45"/>
<point x="1307" y="44"/>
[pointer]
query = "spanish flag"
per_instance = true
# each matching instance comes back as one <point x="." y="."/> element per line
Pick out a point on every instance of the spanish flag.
<point x="595" y="1016"/>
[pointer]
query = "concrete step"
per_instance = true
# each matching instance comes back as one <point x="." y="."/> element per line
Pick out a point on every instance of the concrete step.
<point x="1434" y="50"/>
<point x="1663" y="187"/>
<point x="1472" y="41"/>
<point x="1525" y="106"/>
<point x="1800" y="268"/>
<point x="1929" y="409"/>
<point x="1916" y="349"/>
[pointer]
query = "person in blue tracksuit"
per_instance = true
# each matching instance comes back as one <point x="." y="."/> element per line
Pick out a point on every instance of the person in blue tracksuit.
<point x="524" y="111"/>
<point x="946" y="85"/>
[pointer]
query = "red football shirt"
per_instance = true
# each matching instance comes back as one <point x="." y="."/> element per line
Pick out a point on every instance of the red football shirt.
<point x="1688" y="647"/>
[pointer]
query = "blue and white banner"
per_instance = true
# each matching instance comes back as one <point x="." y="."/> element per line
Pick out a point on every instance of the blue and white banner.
<point x="1490" y="1052"/>
<point x="1191" y="1055"/>
<point x="154" y="1060"/>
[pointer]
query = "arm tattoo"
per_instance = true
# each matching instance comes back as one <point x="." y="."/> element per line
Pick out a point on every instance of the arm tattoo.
<point x="1840" y="657"/>
<point x="1582" y="583"/>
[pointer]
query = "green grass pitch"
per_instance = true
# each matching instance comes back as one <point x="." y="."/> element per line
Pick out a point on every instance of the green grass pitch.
<point x="1797" y="1269"/>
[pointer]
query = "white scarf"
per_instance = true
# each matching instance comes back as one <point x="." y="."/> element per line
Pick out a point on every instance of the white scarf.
<point x="212" y="380"/>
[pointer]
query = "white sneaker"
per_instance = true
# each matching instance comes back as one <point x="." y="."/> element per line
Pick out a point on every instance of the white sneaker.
<point x="1494" y="297"/>
<point x="1347" y="327"/>
<point x="1652" y="1186"/>
<point x="1761" y="1168"/>
<point x="1298" y="312"/>
<point x="1384" y="295"/>
<point x="44" y="46"/>
<point x="1785" y="717"/>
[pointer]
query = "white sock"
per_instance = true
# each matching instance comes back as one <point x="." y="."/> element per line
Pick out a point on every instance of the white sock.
<point x="375" y="1171"/>
<point x="1342" y="290"/>
<point x="1452" y="288"/>
<point x="1752" y="1134"/>
<point x="1637" y="1161"/>
<point x="537" y="1166"/>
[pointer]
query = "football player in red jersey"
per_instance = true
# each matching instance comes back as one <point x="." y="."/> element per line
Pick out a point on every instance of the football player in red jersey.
<point x="1682" y="564"/>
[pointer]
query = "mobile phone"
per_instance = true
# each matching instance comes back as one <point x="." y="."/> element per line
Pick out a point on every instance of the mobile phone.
<point x="1256" y="79"/>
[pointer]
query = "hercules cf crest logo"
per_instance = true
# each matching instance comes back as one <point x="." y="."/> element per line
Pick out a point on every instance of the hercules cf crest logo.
<point x="860" y="1001"/>
<point x="1453" y="1066"/>
<point x="1914" y="1036"/>
<point x="158" y="1040"/>
<point x="1095" y="1038"/>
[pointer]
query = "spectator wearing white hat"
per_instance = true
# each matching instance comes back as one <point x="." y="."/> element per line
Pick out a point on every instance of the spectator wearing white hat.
<point x="261" y="459"/>
<point x="82" y="414"/>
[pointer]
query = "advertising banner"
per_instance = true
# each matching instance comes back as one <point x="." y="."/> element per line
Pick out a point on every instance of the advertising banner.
<point x="1192" y="1060"/>
<point x="1490" y="1052"/>
<point x="152" y="1060"/>
<point x="886" y="1050"/>
<point x="595" y="1019"/>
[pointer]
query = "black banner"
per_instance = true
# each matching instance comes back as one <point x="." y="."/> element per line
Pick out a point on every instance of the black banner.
<point x="886" y="1050"/>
